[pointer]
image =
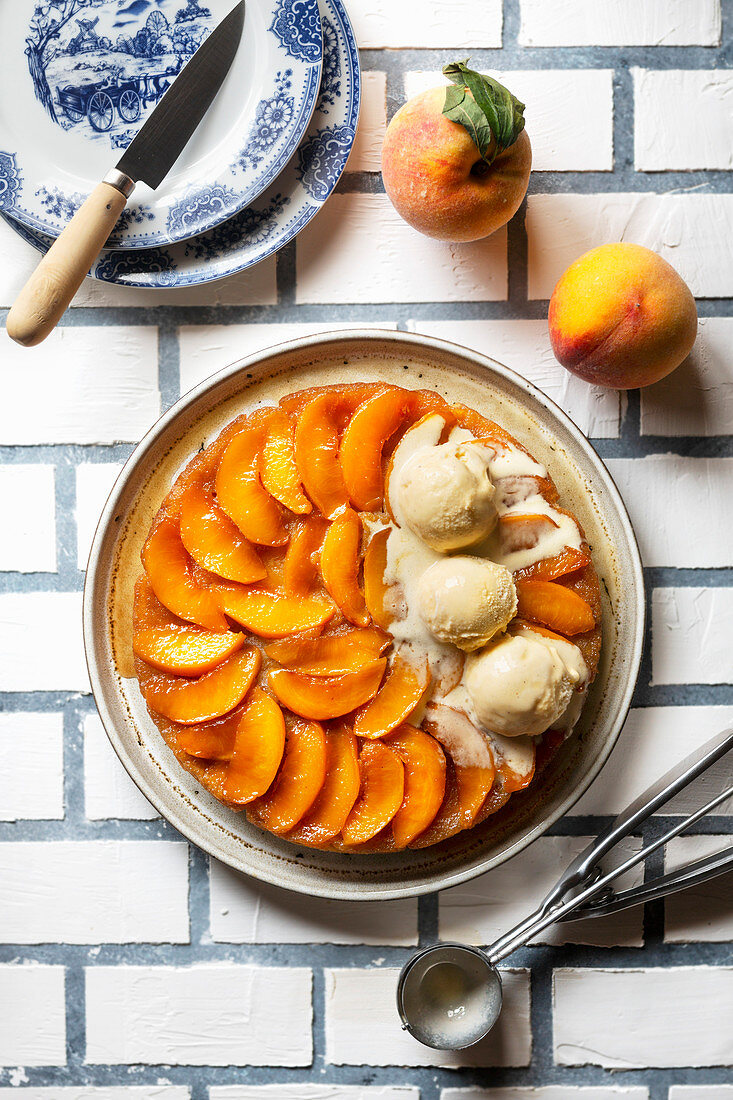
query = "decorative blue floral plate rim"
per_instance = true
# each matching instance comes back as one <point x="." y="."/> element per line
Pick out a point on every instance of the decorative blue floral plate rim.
<point x="273" y="221"/>
<point x="75" y="95"/>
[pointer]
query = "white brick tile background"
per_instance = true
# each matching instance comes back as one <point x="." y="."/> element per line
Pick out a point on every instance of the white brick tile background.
<point x="135" y="969"/>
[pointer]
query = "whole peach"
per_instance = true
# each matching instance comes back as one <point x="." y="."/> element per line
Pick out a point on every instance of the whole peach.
<point x="437" y="180"/>
<point x="622" y="317"/>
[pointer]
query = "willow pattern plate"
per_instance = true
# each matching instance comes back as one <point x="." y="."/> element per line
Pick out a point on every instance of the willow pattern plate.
<point x="296" y="197"/>
<point x="80" y="77"/>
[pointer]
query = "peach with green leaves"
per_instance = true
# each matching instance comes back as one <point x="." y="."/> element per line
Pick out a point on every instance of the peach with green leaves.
<point x="456" y="160"/>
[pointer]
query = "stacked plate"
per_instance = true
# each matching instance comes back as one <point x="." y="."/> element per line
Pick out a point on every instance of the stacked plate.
<point x="81" y="76"/>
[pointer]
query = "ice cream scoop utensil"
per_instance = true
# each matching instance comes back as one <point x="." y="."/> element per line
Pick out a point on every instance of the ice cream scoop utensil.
<point x="449" y="995"/>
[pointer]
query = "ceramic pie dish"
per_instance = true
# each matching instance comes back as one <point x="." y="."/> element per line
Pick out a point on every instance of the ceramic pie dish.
<point x="415" y="363"/>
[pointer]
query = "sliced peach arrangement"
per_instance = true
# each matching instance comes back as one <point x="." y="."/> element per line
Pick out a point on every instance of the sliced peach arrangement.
<point x="170" y="572"/>
<point x="329" y="654"/>
<point x="398" y="697"/>
<point x="213" y="694"/>
<point x="327" y="816"/>
<point x="240" y="492"/>
<point x="271" y="614"/>
<point x="300" y="778"/>
<point x="425" y="768"/>
<point x="278" y="467"/>
<point x="340" y="557"/>
<point x="322" y="697"/>
<point x="554" y="605"/>
<point x="380" y="796"/>
<point x="214" y="542"/>
<point x="262" y="625"/>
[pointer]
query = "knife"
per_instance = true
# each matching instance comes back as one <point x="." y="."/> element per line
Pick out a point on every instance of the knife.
<point x="148" y="159"/>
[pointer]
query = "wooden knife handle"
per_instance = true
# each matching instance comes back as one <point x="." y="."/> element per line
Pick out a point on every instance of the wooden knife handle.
<point x="47" y="294"/>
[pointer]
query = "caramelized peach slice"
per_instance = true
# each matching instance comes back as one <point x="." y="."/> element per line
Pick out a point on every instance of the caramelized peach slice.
<point x="211" y="740"/>
<point x="424" y="762"/>
<point x="214" y="542"/>
<point x="554" y="605"/>
<point x="340" y="566"/>
<point x="258" y="748"/>
<point x="330" y="654"/>
<point x="184" y="650"/>
<point x="214" y="694"/>
<point x="327" y="815"/>
<point x="240" y="492"/>
<point x="363" y="442"/>
<point x="317" y="453"/>
<point x="170" y="572"/>
<point x="397" y="698"/>
<point x="470" y="775"/>
<point x="279" y="473"/>
<point x="327" y="696"/>
<point x="567" y="561"/>
<point x="380" y="796"/>
<point x="269" y="614"/>
<point x="521" y="532"/>
<point x="301" y="776"/>
<point x="494" y="801"/>
<point x="375" y="590"/>
<point x="480" y="427"/>
<point x="300" y="570"/>
<point x="512" y="780"/>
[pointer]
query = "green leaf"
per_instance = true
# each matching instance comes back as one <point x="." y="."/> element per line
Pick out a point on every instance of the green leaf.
<point x="487" y="110"/>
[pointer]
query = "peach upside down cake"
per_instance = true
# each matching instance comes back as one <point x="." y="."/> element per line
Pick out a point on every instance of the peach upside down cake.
<point x="365" y="618"/>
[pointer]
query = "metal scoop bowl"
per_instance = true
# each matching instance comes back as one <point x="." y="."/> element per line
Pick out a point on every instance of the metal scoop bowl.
<point x="449" y="996"/>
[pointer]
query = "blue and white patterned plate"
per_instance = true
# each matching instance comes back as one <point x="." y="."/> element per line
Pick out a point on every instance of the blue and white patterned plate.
<point x="80" y="77"/>
<point x="288" y="205"/>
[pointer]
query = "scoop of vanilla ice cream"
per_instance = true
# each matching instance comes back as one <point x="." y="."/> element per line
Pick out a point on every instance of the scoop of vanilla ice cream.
<point x="446" y="495"/>
<point x="466" y="600"/>
<point x="522" y="684"/>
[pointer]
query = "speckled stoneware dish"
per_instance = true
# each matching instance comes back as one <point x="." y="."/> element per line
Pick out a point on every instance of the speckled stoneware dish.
<point x="410" y="361"/>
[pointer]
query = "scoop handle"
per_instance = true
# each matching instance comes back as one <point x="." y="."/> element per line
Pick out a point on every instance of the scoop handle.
<point x="47" y="294"/>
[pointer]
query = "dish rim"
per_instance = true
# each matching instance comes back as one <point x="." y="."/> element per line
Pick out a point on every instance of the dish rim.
<point x="94" y="577"/>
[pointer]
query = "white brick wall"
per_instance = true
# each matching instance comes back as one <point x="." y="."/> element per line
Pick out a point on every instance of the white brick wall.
<point x="245" y="911"/>
<point x="206" y="349"/>
<point x="623" y="23"/>
<point x="682" y="119"/>
<point x="41" y="642"/>
<point x="697" y="398"/>
<point x="32" y="766"/>
<point x="99" y="891"/>
<point x="660" y="487"/>
<point x="445" y="24"/>
<point x="524" y="346"/>
<point x="480" y="910"/>
<point x="34" y="1016"/>
<point x="705" y="912"/>
<point x="82" y="385"/>
<point x="366" y="154"/>
<point x="107" y="1092"/>
<point x="27" y="503"/>
<point x="549" y="1092"/>
<point x="313" y="1092"/>
<point x="94" y="481"/>
<point x="395" y="263"/>
<point x="688" y="644"/>
<point x="684" y="229"/>
<point x="356" y="996"/>
<point x="653" y="740"/>
<point x="587" y="146"/>
<point x="108" y="790"/>
<point x="256" y="286"/>
<point x="203" y="1015"/>
<point x="626" y="1018"/>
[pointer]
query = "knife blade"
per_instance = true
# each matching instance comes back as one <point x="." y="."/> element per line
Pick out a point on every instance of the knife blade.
<point x="148" y="159"/>
<point x="158" y="145"/>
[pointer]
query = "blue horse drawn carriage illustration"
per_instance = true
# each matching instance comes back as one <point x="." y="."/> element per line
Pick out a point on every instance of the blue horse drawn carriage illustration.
<point x="120" y="97"/>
